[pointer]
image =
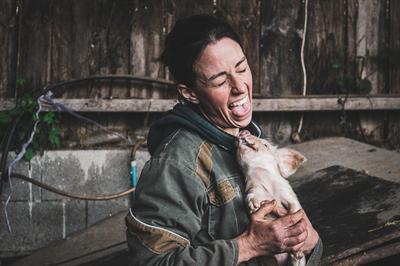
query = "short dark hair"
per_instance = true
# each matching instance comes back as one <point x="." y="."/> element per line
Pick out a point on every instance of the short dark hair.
<point x="188" y="39"/>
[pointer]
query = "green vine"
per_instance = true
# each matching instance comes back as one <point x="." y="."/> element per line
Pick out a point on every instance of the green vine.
<point x="352" y="81"/>
<point x="349" y="80"/>
<point x="47" y="134"/>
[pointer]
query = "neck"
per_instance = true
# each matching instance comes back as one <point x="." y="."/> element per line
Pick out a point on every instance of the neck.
<point x="232" y="131"/>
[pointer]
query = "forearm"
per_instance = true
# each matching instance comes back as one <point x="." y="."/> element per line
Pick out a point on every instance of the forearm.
<point x="245" y="250"/>
<point x="219" y="252"/>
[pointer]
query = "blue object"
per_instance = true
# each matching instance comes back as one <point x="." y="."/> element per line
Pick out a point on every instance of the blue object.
<point x="133" y="173"/>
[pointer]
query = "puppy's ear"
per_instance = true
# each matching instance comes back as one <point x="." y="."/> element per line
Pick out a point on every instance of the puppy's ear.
<point x="289" y="161"/>
<point x="188" y="94"/>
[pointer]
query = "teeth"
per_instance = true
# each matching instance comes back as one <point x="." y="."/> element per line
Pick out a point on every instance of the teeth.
<point x="238" y="103"/>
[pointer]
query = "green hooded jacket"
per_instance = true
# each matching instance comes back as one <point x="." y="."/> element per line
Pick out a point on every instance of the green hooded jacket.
<point x="189" y="201"/>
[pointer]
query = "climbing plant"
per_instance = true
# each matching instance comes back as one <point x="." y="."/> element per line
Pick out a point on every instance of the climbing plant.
<point x="47" y="134"/>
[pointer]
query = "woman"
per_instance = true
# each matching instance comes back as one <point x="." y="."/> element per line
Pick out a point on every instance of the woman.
<point x="189" y="204"/>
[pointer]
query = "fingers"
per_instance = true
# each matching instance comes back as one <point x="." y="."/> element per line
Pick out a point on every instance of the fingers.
<point x="297" y="229"/>
<point x="295" y="242"/>
<point x="265" y="208"/>
<point x="291" y="219"/>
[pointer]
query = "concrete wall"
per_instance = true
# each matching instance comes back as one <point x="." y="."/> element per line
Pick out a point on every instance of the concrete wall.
<point x="38" y="217"/>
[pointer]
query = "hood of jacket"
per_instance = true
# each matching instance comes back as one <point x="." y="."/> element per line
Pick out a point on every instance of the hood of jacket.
<point x="188" y="116"/>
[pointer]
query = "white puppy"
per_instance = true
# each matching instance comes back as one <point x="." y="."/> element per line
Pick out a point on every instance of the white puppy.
<point x="265" y="168"/>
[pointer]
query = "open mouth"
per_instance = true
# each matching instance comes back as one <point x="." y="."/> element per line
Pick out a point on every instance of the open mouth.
<point x="239" y="103"/>
<point x="240" y="108"/>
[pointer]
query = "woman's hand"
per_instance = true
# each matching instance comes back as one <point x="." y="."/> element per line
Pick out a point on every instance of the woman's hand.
<point x="313" y="236"/>
<point x="268" y="237"/>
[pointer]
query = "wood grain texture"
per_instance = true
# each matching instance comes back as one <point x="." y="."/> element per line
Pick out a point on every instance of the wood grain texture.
<point x="280" y="43"/>
<point x="244" y="17"/>
<point x="8" y="46"/>
<point x="393" y="126"/>
<point x="279" y="104"/>
<point x="146" y="44"/>
<point x="51" y="41"/>
<point x="71" y="44"/>
<point x="34" y="64"/>
<point x="325" y="41"/>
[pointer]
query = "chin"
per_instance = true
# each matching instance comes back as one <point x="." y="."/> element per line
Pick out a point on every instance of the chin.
<point x="243" y="123"/>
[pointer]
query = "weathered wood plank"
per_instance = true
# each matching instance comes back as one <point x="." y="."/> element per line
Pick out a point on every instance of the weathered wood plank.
<point x="325" y="53"/>
<point x="312" y="103"/>
<point x="71" y="44"/>
<point x="244" y="16"/>
<point x="177" y="9"/>
<point x="185" y="8"/>
<point x="147" y="41"/>
<point x="8" y="47"/>
<point x="368" y="28"/>
<point x="309" y="103"/>
<point x="109" y="31"/>
<point x="394" y="46"/>
<point x="393" y="134"/>
<point x="367" y="37"/>
<point x="34" y="54"/>
<point x="280" y="65"/>
<point x="280" y="68"/>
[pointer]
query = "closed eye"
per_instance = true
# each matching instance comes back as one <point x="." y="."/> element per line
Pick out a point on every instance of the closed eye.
<point x="222" y="83"/>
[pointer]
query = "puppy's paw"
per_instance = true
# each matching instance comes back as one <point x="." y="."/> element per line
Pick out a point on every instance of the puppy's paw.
<point x="253" y="204"/>
<point x="298" y="259"/>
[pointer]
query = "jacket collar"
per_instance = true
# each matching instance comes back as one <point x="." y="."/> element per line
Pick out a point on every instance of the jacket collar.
<point x="189" y="117"/>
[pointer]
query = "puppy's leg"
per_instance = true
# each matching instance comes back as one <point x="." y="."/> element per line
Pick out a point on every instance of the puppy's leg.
<point x="253" y="202"/>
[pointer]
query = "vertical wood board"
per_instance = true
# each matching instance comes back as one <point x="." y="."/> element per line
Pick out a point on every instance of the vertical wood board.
<point x="8" y="47"/>
<point x="280" y="67"/>
<point x="34" y="63"/>
<point x="244" y="17"/>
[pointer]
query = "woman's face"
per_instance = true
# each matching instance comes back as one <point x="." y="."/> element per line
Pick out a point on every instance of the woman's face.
<point x="224" y="85"/>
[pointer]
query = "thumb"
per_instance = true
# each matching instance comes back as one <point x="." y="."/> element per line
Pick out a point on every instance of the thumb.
<point x="266" y="208"/>
<point x="280" y="212"/>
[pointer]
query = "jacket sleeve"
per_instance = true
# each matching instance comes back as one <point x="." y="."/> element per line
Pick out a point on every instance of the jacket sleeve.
<point x="314" y="258"/>
<point x="167" y="213"/>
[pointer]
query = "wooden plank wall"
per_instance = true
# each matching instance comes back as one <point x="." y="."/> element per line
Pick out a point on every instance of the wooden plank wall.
<point x="339" y="35"/>
<point x="47" y="41"/>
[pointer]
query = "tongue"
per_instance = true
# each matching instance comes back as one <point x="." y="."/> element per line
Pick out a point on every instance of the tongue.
<point x="240" y="110"/>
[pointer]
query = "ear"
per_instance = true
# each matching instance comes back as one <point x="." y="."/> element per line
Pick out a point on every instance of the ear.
<point x="188" y="94"/>
<point x="289" y="161"/>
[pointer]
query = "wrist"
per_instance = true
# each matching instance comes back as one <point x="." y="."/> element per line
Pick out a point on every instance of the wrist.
<point x="245" y="250"/>
<point x="311" y="242"/>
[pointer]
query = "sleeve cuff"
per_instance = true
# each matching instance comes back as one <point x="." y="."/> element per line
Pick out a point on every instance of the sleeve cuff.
<point x="315" y="257"/>
<point x="235" y="252"/>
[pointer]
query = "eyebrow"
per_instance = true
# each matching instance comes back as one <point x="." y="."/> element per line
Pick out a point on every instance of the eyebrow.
<point x="224" y="72"/>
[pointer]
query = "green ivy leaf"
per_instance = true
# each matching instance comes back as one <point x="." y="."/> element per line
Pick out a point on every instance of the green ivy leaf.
<point x="20" y="82"/>
<point x="29" y="154"/>
<point x="55" y="136"/>
<point x="365" y="86"/>
<point x="49" y="118"/>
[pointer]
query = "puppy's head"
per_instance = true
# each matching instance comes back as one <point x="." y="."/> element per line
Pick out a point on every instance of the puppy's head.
<point x="251" y="148"/>
<point x="246" y="142"/>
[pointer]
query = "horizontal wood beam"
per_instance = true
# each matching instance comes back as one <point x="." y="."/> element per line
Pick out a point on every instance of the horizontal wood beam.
<point x="282" y="104"/>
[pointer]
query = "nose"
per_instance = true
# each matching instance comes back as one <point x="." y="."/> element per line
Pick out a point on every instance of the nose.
<point x="237" y="84"/>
